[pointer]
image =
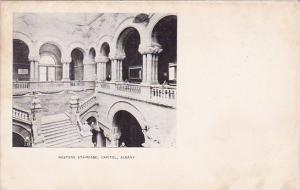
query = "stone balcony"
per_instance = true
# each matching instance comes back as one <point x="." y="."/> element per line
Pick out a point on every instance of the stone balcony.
<point x="24" y="87"/>
<point x="154" y="94"/>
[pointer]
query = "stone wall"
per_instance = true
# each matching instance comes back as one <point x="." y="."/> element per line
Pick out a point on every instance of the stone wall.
<point x="159" y="121"/>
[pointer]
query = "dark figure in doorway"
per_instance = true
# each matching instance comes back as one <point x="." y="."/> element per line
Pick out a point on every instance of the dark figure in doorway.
<point x="94" y="137"/>
<point x="95" y="134"/>
<point x="130" y="130"/>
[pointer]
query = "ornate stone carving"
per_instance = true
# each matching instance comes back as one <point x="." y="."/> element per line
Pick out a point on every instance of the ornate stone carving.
<point x="118" y="56"/>
<point x="102" y="59"/>
<point x="153" y="49"/>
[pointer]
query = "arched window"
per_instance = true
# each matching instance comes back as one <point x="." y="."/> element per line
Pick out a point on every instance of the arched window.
<point x="165" y="34"/>
<point x="50" y="66"/>
<point x="47" y="68"/>
<point x="128" y="43"/>
<point x="21" y="66"/>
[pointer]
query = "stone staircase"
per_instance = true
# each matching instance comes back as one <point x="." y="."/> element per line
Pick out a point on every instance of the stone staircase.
<point x="58" y="131"/>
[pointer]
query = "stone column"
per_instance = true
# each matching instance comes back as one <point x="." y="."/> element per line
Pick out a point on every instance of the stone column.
<point x="66" y="71"/>
<point x="74" y="102"/>
<point x="36" y="115"/>
<point x="107" y="137"/>
<point x="116" y="67"/>
<point x="89" y="69"/>
<point x="150" y="63"/>
<point x="114" y="138"/>
<point x="120" y="70"/>
<point x="98" y="73"/>
<point x="36" y="70"/>
<point x="113" y="70"/>
<point x="63" y="71"/>
<point x="104" y="70"/>
<point x="101" y="68"/>
<point x="32" y="69"/>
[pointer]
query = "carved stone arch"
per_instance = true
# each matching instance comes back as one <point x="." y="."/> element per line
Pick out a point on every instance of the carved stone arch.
<point x="77" y="44"/>
<point x="23" y="132"/>
<point x="125" y="106"/>
<point x="103" y="39"/>
<point x="127" y="23"/>
<point x="51" y="40"/>
<point x="152" y="23"/>
<point x="25" y="38"/>
<point x="92" y="45"/>
<point x="88" y="114"/>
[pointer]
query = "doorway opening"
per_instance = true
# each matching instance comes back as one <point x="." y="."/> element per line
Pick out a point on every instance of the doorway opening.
<point x="129" y="128"/>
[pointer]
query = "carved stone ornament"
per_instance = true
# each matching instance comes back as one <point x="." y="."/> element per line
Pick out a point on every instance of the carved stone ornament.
<point x="118" y="56"/>
<point x="102" y="59"/>
<point x="153" y="49"/>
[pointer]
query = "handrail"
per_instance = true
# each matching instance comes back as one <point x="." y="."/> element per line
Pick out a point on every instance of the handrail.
<point x="21" y="114"/>
<point x="78" y="123"/>
<point x="32" y="85"/>
<point x="87" y="103"/>
<point x="128" y="87"/>
<point x="165" y="93"/>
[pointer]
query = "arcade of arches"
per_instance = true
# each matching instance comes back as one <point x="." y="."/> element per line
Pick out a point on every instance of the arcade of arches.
<point x="128" y="56"/>
<point x="119" y="54"/>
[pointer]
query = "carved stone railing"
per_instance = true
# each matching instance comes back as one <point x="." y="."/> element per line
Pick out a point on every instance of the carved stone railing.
<point x="21" y="115"/>
<point x="163" y="93"/>
<point x="86" y="104"/>
<point x="20" y="85"/>
<point x="127" y="87"/>
<point x="23" y="87"/>
<point x="104" y="85"/>
<point x="158" y="94"/>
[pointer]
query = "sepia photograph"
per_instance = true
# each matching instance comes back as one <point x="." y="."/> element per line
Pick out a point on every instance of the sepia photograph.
<point x="94" y="80"/>
<point x="92" y="99"/>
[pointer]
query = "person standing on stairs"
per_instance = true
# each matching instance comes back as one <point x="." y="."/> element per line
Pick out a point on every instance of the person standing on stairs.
<point x="95" y="131"/>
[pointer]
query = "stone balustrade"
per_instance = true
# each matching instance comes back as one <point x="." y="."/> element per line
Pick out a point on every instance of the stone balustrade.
<point x="20" y="85"/>
<point x="104" y="85"/>
<point x="23" y="87"/>
<point x="127" y="87"/>
<point x="163" y="93"/>
<point x="21" y="115"/>
<point x="149" y="93"/>
<point x="158" y="94"/>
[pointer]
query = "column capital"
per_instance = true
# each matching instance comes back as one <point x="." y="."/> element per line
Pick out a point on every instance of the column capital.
<point x="102" y="59"/>
<point x="152" y="49"/>
<point x="35" y="58"/>
<point x="118" y="56"/>
<point x="66" y="60"/>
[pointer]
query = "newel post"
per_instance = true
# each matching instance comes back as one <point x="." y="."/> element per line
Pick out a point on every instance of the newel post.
<point x="74" y="103"/>
<point x="36" y="114"/>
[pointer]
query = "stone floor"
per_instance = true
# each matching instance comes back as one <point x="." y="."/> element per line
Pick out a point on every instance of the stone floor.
<point x="51" y="103"/>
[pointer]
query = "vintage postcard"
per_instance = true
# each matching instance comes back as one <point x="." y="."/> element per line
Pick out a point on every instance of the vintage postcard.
<point x="149" y="95"/>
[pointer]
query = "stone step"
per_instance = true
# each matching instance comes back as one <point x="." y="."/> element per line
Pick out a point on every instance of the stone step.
<point x="46" y="130"/>
<point x="62" y="142"/>
<point x="54" y="118"/>
<point x="67" y="143"/>
<point x="45" y="125"/>
<point x="62" y="139"/>
<point x="63" y="130"/>
<point x="58" y="135"/>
